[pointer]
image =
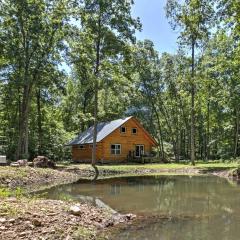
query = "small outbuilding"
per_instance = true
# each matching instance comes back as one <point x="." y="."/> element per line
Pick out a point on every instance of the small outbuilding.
<point x="117" y="141"/>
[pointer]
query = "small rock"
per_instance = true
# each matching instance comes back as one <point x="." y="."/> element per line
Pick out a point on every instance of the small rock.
<point x="23" y="234"/>
<point x="31" y="226"/>
<point x="36" y="223"/>
<point x="12" y="220"/>
<point x="2" y="228"/>
<point x="3" y="220"/>
<point x="75" y="210"/>
<point x="130" y="216"/>
<point x="73" y="221"/>
<point x="15" y="164"/>
<point x="22" y="162"/>
<point x="108" y="223"/>
<point x="9" y="233"/>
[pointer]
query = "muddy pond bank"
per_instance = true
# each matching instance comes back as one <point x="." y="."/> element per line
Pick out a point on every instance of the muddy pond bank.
<point x="54" y="219"/>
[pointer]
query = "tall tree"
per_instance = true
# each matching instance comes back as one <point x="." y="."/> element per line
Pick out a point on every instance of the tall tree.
<point x="149" y="87"/>
<point x="194" y="18"/>
<point x="229" y="17"/>
<point x="109" y="28"/>
<point x="32" y="35"/>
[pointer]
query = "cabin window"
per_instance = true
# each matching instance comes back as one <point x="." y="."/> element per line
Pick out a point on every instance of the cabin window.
<point x="134" y="130"/>
<point x="81" y="147"/>
<point x="116" y="149"/>
<point x="123" y="129"/>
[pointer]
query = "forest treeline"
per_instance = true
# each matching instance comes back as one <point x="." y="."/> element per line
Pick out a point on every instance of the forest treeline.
<point x="68" y="64"/>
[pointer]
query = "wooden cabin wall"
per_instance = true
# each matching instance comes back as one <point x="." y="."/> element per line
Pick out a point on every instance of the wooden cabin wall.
<point x="127" y="140"/>
<point x="85" y="155"/>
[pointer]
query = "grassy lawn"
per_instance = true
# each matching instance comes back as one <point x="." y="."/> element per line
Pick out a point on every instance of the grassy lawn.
<point x="218" y="165"/>
<point x="171" y="166"/>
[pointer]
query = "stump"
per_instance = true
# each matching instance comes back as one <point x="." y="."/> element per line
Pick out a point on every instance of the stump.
<point x="43" y="162"/>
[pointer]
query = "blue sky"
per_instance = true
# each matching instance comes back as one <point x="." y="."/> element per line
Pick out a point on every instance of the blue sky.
<point x="155" y="25"/>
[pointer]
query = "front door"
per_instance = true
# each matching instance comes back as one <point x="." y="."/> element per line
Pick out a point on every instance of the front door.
<point x="139" y="150"/>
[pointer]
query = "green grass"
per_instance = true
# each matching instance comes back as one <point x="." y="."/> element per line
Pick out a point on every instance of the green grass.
<point x="218" y="165"/>
<point x="126" y="167"/>
<point x="144" y="166"/>
<point x="8" y="209"/>
<point x="168" y="166"/>
<point x="84" y="233"/>
<point x="6" y="192"/>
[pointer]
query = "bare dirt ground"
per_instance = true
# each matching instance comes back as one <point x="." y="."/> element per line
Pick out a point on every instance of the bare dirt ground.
<point x="33" y="178"/>
<point x="50" y="219"/>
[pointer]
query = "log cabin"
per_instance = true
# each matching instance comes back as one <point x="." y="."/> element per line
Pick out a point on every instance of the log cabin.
<point x="117" y="141"/>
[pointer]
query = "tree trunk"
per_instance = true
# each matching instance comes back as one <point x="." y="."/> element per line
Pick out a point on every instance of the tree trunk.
<point x="94" y="149"/>
<point x="22" y="149"/>
<point x="160" y="133"/>
<point x="193" y="105"/>
<point x="208" y="131"/>
<point x="236" y="134"/>
<point x="39" y="122"/>
<point x="96" y="74"/>
<point x="178" y="140"/>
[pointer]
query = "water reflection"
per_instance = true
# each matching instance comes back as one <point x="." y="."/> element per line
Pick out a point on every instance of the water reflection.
<point x="172" y="207"/>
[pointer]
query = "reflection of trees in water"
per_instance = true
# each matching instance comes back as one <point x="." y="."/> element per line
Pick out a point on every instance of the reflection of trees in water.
<point x="199" y="195"/>
<point x="115" y="189"/>
<point x="199" y="208"/>
<point x="139" y="183"/>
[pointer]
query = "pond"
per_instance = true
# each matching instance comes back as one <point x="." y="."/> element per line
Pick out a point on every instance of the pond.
<point x="171" y="207"/>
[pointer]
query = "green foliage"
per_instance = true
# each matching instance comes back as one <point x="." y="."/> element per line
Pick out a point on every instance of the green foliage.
<point x="6" y="192"/>
<point x="56" y="55"/>
<point x="194" y="18"/>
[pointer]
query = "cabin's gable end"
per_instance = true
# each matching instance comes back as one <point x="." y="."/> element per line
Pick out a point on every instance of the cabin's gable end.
<point x="128" y="140"/>
<point x="147" y="134"/>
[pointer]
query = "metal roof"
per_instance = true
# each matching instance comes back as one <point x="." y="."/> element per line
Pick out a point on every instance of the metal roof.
<point x="103" y="130"/>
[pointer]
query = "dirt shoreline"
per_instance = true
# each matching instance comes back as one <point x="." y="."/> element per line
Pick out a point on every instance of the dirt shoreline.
<point x="31" y="179"/>
<point x="89" y="173"/>
<point x="27" y="217"/>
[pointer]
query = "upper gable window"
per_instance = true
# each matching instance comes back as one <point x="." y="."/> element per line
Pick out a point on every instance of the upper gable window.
<point x="134" y="130"/>
<point x="123" y="130"/>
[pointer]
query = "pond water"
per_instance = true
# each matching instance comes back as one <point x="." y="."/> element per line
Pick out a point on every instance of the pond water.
<point x="171" y="207"/>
